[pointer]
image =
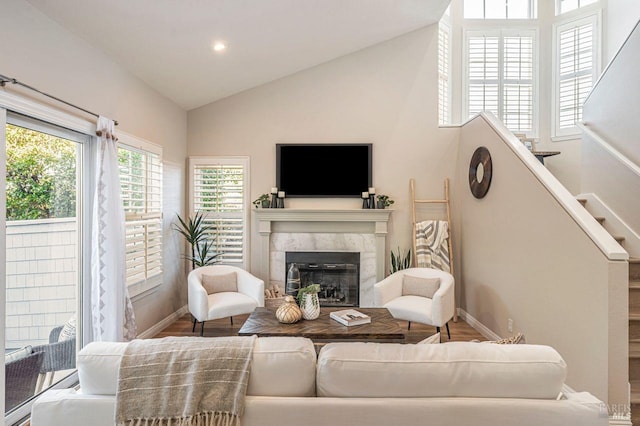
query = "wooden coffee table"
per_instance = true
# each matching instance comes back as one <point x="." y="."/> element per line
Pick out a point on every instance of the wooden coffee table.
<point x="383" y="328"/>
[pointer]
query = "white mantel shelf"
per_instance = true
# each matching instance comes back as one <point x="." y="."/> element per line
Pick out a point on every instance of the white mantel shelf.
<point x="363" y="221"/>
<point x="323" y="215"/>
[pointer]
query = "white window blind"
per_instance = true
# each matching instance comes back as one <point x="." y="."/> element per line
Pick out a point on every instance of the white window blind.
<point x="575" y="72"/>
<point x="219" y="191"/>
<point x="141" y="185"/>
<point x="500" y="77"/>
<point x="444" y="95"/>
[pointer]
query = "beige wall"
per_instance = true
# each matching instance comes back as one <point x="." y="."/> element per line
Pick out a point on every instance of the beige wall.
<point x="523" y="257"/>
<point x="386" y="95"/>
<point x="39" y="52"/>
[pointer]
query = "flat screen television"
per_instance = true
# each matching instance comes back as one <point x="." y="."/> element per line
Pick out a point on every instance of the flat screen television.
<point x="323" y="170"/>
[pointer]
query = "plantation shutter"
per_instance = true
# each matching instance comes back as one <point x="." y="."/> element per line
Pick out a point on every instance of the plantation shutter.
<point x="517" y="100"/>
<point x="500" y="77"/>
<point x="141" y="185"/>
<point x="219" y="191"/>
<point x="443" y="75"/>
<point x="483" y="74"/>
<point x="576" y="66"/>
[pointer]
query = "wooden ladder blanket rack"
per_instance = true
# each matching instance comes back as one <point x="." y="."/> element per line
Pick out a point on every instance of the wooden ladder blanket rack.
<point x="447" y="203"/>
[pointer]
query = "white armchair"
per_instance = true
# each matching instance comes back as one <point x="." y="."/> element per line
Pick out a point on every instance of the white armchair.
<point x="206" y="307"/>
<point x="436" y="311"/>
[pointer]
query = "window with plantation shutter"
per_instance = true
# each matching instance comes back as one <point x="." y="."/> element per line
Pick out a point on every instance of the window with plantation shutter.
<point x="219" y="190"/>
<point x="575" y="72"/>
<point x="444" y="94"/>
<point x="500" y="77"/>
<point x="141" y="186"/>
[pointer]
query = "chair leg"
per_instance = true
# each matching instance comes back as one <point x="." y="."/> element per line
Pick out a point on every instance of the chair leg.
<point x="193" y="329"/>
<point x="202" y="329"/>
<point x="231" y="318"/>
<point x="408" y="325"/>
<point x="448" y="333"/>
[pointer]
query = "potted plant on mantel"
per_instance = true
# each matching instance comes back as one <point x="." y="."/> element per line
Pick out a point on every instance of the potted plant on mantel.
<point x="383" y="201"/>
<point x="195" y="231"/>
<point x="262" y="201"/>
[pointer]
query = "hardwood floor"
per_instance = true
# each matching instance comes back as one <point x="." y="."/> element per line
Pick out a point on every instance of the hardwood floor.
<point x="460" y="331"/>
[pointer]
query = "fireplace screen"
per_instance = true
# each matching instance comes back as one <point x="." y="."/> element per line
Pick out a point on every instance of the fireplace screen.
<point x="338" y="274"/>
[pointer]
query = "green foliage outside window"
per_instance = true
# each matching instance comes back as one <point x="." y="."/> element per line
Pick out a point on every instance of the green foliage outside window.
<point x="41" y="175"/>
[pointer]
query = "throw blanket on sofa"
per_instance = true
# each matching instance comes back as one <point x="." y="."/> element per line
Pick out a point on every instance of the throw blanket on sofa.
<point x="432" y="250"/>
<point x="184" y="381"/>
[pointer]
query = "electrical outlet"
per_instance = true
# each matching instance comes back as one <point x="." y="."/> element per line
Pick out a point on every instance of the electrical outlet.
<point x="510" y="325"/>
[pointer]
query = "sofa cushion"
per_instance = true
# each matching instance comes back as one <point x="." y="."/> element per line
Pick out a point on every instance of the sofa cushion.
<point x="98" y="365"/>
<point x="18" y="355"/>
<point x="220" y="283"/>
<point x="459" y="369"/>
<point x="283" y="366"/>
<point x="419" y="286"/>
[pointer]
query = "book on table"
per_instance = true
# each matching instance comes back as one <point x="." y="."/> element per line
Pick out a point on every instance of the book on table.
<point x="350" y="317"/>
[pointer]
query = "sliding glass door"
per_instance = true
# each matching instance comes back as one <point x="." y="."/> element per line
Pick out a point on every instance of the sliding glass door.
<point x="44" y="255"/>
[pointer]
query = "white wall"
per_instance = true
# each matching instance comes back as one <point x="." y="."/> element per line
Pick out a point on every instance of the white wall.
<point x="39" y="52"/>
<point x="620" y="18"/>
<point x="385" y="94"/>
<point x="524" y="257"/>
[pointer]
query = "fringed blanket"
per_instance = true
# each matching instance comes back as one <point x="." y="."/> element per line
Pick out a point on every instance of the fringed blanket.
<point x="432" y="249"/>
<point x="184" y="381"/>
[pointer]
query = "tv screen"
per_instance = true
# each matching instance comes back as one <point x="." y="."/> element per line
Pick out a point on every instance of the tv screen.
<point x="323" y="170"/>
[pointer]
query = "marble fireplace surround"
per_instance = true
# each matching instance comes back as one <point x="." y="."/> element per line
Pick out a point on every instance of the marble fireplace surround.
<point x="363" y="231"/>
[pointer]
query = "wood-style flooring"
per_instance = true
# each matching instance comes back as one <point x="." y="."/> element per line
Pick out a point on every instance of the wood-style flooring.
<point x="460" y="331"/>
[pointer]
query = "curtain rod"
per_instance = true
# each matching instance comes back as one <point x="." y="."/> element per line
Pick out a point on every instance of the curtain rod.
<point x="4" y="80"/>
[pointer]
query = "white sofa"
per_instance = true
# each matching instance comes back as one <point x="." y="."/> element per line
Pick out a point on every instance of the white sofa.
<point x="367" y="384"/>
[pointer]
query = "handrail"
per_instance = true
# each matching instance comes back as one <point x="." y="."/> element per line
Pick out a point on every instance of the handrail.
<point x="601" y="238"/>
<point x="604" y="71"/>
<point x="611" y="150"/>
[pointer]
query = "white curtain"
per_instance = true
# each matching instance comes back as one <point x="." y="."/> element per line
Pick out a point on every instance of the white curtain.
<point x="111" y="310"/>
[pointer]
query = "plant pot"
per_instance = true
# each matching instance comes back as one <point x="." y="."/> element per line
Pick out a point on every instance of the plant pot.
<point x="380" y="205"/>
<point x="310" y="307"/>
<point x="265" y="204"/>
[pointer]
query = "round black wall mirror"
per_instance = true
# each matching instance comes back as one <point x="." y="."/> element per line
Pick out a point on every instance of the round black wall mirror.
<point x="480" y="171"/>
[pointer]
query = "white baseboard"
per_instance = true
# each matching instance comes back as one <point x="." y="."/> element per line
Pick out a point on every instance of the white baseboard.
<point x="150" y="332"/>
<point x="477" y="325"/>
<point x="616" y="422"/>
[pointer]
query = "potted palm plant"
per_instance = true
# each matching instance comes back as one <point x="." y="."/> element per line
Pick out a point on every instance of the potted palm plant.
<point x="195" y="231"/>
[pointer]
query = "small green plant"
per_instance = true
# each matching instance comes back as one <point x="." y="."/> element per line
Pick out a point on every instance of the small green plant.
<point x="384" y="201"/>
<point x="195" y="231"/>
<point x="399" y="261"/>
<point x="262" y="200"/>
<point x="310" y="289"/>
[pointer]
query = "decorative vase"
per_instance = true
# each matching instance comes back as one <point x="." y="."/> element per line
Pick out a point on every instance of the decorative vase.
<point x="380" y="204"/>
<point x="289" y="312"/>
<point x="310" y="306"/>
<point x="293" y="280"/>
<point x="266" y="204"/>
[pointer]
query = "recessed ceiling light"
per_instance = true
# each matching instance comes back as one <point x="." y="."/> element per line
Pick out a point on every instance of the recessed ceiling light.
<point x="219" y="46"/>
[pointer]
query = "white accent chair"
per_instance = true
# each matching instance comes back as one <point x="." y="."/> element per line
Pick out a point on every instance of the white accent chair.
<point x="435" y="312"/>
<point x="206" y="307"/>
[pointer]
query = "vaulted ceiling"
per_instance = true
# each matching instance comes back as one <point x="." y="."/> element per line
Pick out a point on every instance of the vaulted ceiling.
<point x="169" y="43"/>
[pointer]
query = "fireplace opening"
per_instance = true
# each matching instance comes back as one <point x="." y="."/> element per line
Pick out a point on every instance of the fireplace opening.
<point x="338" y="274"/>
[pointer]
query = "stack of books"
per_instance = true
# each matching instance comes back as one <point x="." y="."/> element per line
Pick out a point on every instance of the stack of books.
<point x="350" y="317"/>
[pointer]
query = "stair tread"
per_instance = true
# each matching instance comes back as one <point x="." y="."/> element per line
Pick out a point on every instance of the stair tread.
<point x="618" y="238"/>
<point x="634" y="260"/>
<point x="635" y="391"/>
<point x="634" y="317"/>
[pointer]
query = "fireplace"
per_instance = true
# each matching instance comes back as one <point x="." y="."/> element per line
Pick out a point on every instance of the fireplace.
<point x="337" y="273"/>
